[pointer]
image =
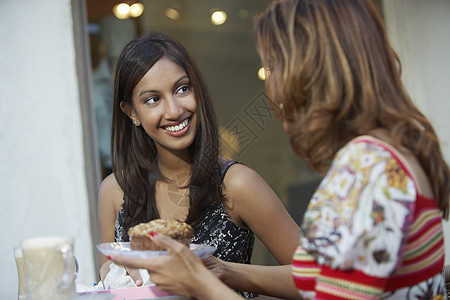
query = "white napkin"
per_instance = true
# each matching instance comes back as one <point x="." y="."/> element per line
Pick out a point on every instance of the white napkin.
<point x="117" y="278"/>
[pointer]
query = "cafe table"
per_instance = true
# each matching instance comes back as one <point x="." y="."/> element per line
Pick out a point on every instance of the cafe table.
<point x="135" y="293"/>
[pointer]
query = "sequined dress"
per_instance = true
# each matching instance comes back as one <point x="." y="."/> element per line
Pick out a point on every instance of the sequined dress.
<point x="233" y="243"/>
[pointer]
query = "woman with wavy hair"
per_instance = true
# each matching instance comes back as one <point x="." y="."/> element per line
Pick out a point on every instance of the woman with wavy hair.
<point x="373" y="228"/>
<point x="167" y="164"/>
<point x="375" y="220"/>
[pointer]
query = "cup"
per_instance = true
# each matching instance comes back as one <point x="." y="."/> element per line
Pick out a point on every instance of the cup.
<point x="18" y="255"/>
<point x="50" y="268"/>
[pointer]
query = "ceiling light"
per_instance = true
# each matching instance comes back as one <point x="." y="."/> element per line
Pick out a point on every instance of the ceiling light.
<point x="172" y="14"/>
<point x="121" y="10"/>
<point x="218" y="17"/>
<point x="124" y="10"/>
<point x="136" y="9"/>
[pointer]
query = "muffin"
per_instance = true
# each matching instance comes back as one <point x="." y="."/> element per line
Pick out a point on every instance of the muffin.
<point x="140" y="234"/>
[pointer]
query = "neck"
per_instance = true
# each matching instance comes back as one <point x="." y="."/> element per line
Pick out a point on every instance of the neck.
<point x="174" y="164"/>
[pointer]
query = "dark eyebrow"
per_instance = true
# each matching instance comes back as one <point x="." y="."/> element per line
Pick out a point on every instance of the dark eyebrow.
<point x="174" y="85"/>
<point x="180" y="79"/>
<point x="147" y="91"/>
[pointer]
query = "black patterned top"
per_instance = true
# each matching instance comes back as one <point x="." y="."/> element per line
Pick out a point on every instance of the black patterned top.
<point x="233" y="243"/>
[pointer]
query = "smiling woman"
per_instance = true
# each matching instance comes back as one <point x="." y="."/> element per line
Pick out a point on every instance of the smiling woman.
<point x="228" y="62"/>
<point x="167" y="165"/>
<point x="163" y="102"/>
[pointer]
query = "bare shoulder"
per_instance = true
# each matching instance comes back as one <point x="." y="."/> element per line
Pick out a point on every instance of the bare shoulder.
<point x="110" y="181"/>
<point x="110" y="192"/>
<point x="244" y="184"/>
<point x="240" y="176"/>
<point x="246" y="192"/>
<point x="110" y="201"/>
<point x="243" y="189"/>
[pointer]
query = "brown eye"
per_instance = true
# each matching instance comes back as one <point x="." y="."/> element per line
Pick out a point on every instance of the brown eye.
<point x="152" y="100"/>
<point x="184" y="89"/>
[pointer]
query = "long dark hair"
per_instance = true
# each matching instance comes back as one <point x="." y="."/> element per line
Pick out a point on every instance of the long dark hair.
<point x="338" y="77"/>
<point x="134" y="152"/>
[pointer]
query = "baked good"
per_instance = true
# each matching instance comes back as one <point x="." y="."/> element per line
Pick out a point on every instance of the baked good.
<point x="177" y="230"/>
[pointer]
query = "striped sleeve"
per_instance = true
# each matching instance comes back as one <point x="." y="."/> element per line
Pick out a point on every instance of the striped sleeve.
<point x="304" y="270"/>
<point x="321" y="282"/>
<point x="348" y="284"/>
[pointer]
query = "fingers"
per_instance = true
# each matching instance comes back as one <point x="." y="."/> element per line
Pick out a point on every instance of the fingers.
<point x="167" y="243"/>
<point x="130" y="262"/>
<point x="210" y="260"/>
<point x="216" y="266"/>
<point x="135" y="275"/>
<point x="178" y="254"/>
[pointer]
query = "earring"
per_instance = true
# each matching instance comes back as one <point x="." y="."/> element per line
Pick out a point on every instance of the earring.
<point x="135" y="122"/>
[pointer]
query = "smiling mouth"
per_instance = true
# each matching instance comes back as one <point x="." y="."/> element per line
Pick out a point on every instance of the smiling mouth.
<point x="179" y="127"/>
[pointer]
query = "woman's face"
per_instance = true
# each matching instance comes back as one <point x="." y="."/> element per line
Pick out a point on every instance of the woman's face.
<point x="164" y="104"/>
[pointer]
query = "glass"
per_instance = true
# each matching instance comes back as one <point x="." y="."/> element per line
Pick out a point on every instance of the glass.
<point x="50" y="267"/>
<point x="18" y="255"/>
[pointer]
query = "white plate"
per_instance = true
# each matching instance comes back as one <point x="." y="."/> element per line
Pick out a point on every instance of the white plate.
<point x="123" y="249"/>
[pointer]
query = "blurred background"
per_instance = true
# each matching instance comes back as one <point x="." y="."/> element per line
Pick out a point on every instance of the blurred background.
<point x="219" y="37"/>
<point x="56" y="66"/>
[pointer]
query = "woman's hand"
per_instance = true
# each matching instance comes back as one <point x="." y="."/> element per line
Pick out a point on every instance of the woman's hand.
<point x="175" y="273"/>
<point x="180" y="272"/>
<point x="216" y="266"/>
<point x="135" y="275"/>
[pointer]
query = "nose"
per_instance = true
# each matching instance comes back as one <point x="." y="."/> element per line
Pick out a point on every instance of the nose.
<point x="172" y="109"/>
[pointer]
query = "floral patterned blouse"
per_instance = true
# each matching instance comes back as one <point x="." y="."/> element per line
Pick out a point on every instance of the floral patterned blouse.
<point x="367" y="233"/>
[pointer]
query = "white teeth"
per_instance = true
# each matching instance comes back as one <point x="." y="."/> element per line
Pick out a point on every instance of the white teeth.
<point x="178" y="127"/>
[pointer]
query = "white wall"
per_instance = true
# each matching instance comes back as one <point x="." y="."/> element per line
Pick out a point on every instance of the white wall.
<point x="420" y="32"/>
<point x="42" y="179"/>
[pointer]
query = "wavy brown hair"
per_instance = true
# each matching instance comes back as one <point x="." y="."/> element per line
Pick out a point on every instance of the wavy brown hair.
<point x="338" y="77"/>
<point x="134" y="152"/>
